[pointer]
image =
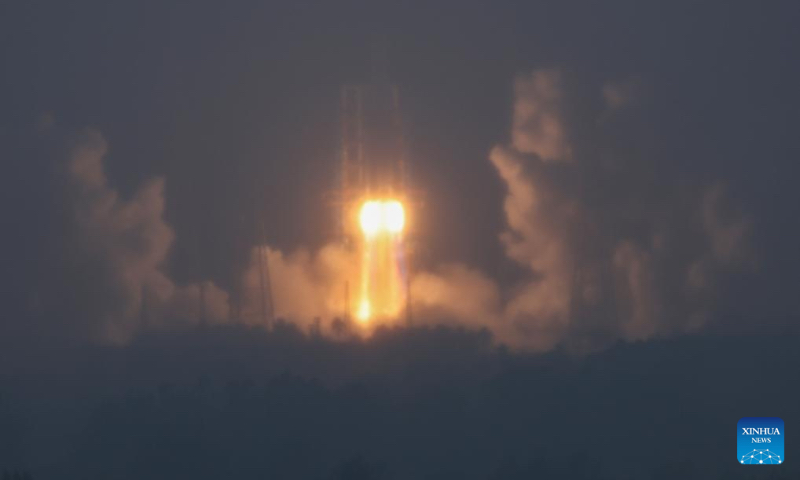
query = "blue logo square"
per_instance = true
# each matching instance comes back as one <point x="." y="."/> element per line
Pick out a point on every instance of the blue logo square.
<point x="760" y="441"/>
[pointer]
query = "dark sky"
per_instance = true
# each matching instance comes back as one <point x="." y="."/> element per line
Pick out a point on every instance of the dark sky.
<point x="236" y="106"/>
<point x="227" y="99"/>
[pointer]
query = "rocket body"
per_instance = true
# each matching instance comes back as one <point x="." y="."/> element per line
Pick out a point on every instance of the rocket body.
<point x="373" y="193"/>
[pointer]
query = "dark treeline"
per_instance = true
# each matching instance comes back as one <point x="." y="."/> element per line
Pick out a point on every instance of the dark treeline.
<point x="16" y="475"/>
<point x="235" y="402"/>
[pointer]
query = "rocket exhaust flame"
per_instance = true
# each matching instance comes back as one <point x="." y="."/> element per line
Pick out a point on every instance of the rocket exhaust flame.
<point x="382" y="271"/>
<point x="373" y="182"/>
<point x="382" y="215"/>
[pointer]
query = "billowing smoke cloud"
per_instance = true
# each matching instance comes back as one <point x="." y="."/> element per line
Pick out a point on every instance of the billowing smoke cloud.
<point x="113" y="283"/>
<point x="458" y="294"/>
<point x="306" y="286"/>
<point x="607" y="257"/>
<point x="631" y="268"/>
<point x="537" y="126"/>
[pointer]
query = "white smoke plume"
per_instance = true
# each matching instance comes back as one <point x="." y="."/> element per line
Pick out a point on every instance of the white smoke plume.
<point x="537" y="126"/>
<point x="597" y="271"/>
<point x="305" y="286"/>
<point x="591" y="280"/>
<point x="114" y="279"/>
<point x="454" y="293"/>
<point x="113" y="284"/>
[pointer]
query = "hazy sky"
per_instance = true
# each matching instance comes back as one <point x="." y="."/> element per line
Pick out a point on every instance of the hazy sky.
<point x="234" y="102"/>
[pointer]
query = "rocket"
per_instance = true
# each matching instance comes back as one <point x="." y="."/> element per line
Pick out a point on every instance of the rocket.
<point x="372" y="149"/>
<point x="373" y="193"/>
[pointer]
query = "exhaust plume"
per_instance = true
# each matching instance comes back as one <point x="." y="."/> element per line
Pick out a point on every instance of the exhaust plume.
<point x="632" y="268"/>
<point x="112" y="282"/>
<point x="606" y="256"/>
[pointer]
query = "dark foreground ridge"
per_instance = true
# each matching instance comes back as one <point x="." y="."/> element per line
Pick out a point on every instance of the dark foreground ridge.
<point x="424" y="403"/>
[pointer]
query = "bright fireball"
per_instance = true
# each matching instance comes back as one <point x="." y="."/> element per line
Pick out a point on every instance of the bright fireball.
<point x="382" y="216"/>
